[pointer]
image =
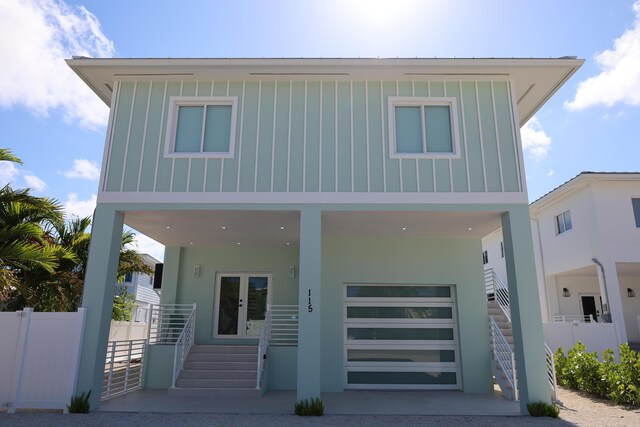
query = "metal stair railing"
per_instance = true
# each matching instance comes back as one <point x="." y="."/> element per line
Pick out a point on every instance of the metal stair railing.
<point x="263" y="347"/>
<point x="284" y="325"/>
<point x="503" y="354"/>
<point x="494" y="286"/>
<point x="551" y="371"/>
<point x="183" y="345"/>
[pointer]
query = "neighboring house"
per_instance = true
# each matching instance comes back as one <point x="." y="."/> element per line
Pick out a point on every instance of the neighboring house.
<point x="586" y="235"/>
<point x="355" y="189"/>
<point x="140" y="286"/>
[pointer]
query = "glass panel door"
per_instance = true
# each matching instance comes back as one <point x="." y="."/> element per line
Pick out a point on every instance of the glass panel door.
<point x="257" y="291"/>
<point x="229" y="305"/>
<point x="241" y="305"/>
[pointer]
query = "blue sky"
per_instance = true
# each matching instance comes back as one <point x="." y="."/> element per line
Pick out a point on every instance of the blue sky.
<point x="56" y="125"/>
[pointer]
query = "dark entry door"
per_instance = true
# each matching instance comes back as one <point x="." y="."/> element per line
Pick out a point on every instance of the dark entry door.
<point x="589" y="307"/>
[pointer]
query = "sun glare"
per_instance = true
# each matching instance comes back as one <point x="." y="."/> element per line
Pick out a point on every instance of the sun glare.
<point x="381" y="12"/>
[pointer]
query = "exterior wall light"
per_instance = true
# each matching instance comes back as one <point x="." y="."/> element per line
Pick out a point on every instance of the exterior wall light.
<point x="631" y="293"/>
<point x="565" y="292"/>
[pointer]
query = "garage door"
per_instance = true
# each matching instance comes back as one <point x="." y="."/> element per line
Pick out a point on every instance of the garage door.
<point x="400" y="337"/>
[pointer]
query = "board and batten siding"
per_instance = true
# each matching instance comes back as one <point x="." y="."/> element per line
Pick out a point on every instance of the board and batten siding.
<point x="312" y="136"/>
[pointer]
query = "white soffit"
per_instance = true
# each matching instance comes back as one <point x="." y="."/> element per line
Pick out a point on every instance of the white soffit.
<point x="535" y="80"/>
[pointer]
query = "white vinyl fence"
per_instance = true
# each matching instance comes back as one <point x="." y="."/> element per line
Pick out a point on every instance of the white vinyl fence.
<point x="595" y="336"/>
<point x="39" y="358"/>
<point x="124" y="331"/>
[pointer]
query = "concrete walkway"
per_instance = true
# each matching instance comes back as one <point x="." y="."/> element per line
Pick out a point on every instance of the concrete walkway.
<point x="350" y="402"/>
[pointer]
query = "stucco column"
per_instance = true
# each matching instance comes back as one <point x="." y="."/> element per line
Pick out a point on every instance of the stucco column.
<point x="170" y="272"/>
<point x="97" y="298"/>
<point x="309" y="300"/>
<point x="528" y="336"/>
<point x="610" y="291"/>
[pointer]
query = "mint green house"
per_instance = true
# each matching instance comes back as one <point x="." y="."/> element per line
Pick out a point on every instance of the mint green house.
<point x="329" y="211"/>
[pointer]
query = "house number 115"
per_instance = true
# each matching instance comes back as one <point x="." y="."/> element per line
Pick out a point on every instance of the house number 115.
<point x="310" y="307"/>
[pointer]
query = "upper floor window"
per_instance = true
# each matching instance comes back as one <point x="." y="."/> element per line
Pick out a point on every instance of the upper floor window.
<point x="485" y="257"/>
<point x="127" y="278"/>
<point x="563" y="222"/>
<point x="501" y="249"/>
<point x="636" y="210"/>
<point x="201" y="127"/>
<point x="423" y="127"/>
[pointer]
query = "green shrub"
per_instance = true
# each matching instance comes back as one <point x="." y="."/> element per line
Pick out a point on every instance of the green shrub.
<point x="309" y="407"/>
<point x="619" y="382"/>
<point x="543" y="409"/>
<point x="79" y="404"/>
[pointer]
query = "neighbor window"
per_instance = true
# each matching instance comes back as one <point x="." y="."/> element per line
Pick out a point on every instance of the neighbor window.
<point x="563" y="222"/>
<point x="127" y="278"/>
<point x="485" y="257"/>
<point x="502" y="249"/>
<point x="201" y="127"/>
<point x="423" y="127"/>
<point x="636" y="210"/>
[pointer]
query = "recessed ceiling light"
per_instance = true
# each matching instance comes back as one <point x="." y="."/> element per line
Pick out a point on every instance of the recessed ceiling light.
<point x="191" y="243"/>
<point x="288" y="243"/>
<point x="238" y="243"/>
<point x="167" y="227"/>
<point x="282" y="228"/>
<point x="470" y="228"/>
<point x="404" y="228"/>
<point x="224" y="227"/>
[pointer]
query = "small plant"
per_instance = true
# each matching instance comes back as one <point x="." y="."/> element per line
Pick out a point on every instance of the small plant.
<point x="543" y="409"/>
<point x="79" y="404"/>
<point x="313" y="407"/>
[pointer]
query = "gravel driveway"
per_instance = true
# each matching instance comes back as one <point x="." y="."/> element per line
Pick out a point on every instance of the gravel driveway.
<point x="577" y="410"/>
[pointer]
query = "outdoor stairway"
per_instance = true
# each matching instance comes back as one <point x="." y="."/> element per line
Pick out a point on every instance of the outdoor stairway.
<point x="505" y="327"/>
<point x="219" y="371"/>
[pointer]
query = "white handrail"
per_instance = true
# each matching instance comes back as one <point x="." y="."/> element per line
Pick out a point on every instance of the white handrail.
<point x="570" y="318"/>
<point x="503" y="354"/>
<point x="263" y="346"/>
<point x="494" y="286"/>
<point x="551" y="371"/>
<point x="183" y="345"/>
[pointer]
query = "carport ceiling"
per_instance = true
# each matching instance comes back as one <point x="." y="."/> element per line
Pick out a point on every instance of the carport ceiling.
<point x="275" y="228"/>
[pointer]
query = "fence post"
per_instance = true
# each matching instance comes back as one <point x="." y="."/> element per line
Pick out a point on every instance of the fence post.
<point x="21" y="354"/>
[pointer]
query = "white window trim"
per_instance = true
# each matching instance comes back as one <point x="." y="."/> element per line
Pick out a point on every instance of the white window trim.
<point x="412" y="101"/>
<point x="557" y="224"/>
<point x="198" y="101"/>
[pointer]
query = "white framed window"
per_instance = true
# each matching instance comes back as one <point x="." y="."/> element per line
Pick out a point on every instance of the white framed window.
<point x="563" y="222"/>
<point x="485" y="257"/>
<point x="201" y="127"/>
<point x="635" y="203"/>
<point x="423" y="127"/>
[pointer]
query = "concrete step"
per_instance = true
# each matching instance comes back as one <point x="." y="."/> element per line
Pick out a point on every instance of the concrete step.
<point x="234" y="366"/>
<point x="219" y="374"/>
<point x="230" y="384"/>
<point x="214" y="392"/>
<point x="222" y="357"/>
<point x="224" y="349"/>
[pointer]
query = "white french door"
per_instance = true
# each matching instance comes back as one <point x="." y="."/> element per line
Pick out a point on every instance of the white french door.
<point x="240" y="304"/>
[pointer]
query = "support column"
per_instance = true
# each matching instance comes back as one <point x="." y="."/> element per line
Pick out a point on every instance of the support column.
<point x="528" y="336"/>
<point x="610" y="292"/>
<point x="97" y="298"/>
<point x="170" y="272"/>
<point x="309" y="300"/>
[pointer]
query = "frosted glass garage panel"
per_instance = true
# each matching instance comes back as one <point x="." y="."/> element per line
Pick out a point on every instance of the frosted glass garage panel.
<point x="399" y="312"/>
<point x="367" y="291"/>
<point x="400" y="334"/>
<point x="401" y="356"/>
<point x="404" y="378"/>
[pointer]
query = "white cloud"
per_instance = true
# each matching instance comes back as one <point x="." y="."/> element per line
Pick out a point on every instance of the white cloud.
<point x="619" y="79"/>
<point x="79" y="208"/>
<point x="37" y="36"/>
<point x="535" y="140"/>
<point x="84" y="169"/>
<point x="8" y="173"/>
<point x="146" y="245"/>
<point x="34" y="182"/>
<point x="551" y="172"/>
